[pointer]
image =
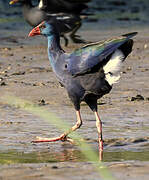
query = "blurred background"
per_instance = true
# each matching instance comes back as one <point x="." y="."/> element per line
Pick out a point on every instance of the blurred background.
<point x="107" y="14"/>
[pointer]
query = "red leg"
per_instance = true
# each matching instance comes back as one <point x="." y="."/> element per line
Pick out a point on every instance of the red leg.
<point x="99" y="129"/>
<point x="63" y="137"/>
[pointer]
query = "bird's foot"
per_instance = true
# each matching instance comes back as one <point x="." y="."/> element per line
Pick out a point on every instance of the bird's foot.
<point x="40" y="139"/>
<point x="75" y="36"/>
<point x="77" y="40"/>
<point x="62" y="138"/>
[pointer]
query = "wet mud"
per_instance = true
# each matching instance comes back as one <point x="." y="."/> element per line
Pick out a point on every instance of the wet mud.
<point x="25" y="72"/>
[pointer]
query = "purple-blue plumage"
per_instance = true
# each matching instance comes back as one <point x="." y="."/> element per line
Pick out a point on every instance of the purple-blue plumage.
<point x="81" y="72"/>
<point x="87" y="73"/>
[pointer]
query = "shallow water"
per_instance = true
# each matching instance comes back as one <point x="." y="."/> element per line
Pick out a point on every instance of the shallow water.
<point x="72" y="155"/>
<point x="25" y="70"/>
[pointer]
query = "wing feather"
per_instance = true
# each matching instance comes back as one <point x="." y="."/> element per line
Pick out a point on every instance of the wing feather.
<point x="84" y="59"/>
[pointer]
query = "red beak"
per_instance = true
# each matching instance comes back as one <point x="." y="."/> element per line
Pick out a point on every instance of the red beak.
<point x="36" y="31"/>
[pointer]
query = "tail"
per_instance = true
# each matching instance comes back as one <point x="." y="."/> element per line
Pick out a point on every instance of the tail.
<point x="113" y="67"/>
<point x="130" y="35"/>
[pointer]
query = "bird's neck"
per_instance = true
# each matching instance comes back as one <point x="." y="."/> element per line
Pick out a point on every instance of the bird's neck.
<point x="54" y="48"/>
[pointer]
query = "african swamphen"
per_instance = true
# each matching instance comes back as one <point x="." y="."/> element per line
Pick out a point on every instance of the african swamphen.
<point x="67" y="23"/>
<point x="87" y="73"/>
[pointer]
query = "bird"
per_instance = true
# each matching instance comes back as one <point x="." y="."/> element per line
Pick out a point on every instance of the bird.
<point x="87" y="73"/>
<point x="67" y="6"/>
<point x="68" y="23"/>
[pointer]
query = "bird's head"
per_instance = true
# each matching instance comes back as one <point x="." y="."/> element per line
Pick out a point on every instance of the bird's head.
<point x="46" y="28"/>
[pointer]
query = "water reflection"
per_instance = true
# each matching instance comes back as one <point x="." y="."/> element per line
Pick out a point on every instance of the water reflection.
<point x="69" y="155"/>
<point x="41" y="157"/>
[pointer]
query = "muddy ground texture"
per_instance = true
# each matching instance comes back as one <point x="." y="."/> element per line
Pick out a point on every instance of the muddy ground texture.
<point x="25" y="72"/>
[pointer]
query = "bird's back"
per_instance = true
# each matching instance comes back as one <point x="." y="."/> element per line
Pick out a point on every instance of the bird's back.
<point x="91" y="71"/>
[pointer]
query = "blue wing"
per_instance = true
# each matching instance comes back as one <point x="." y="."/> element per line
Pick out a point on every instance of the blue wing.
<point x="84" y="59"/>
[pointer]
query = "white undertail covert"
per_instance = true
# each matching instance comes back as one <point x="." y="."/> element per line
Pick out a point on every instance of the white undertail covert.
<point x="113" y="67"/>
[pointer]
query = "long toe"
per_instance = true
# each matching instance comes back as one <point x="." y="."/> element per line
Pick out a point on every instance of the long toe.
<point x="60" y="138"/>
<point x="77" y="40"/>
<point x="40" y="139"/>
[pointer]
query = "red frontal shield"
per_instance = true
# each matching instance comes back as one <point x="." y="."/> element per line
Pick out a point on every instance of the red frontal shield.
<point x="36" y="31"/>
